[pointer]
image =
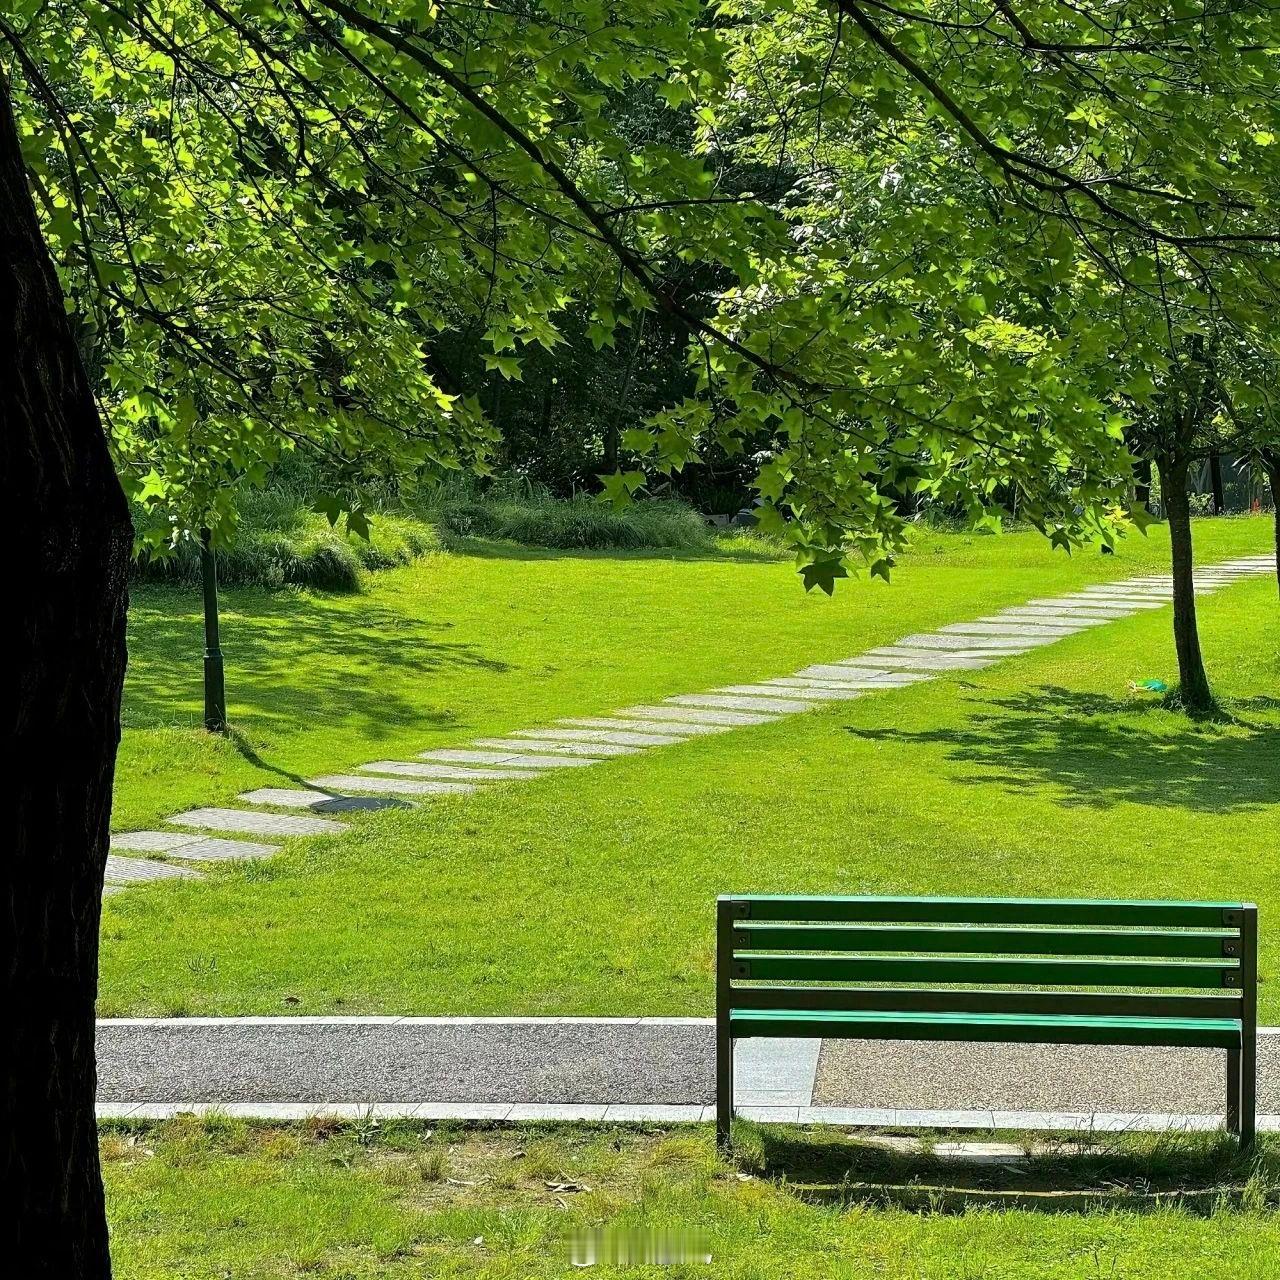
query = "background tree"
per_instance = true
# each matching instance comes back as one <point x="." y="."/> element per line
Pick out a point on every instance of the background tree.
<point x="1107" y="273"/>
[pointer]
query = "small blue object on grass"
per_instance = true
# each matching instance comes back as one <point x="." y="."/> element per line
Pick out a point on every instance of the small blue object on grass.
<point x="1148" y="686"/>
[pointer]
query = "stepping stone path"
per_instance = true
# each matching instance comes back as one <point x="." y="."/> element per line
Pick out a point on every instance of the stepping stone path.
<point x="580" y="742"/>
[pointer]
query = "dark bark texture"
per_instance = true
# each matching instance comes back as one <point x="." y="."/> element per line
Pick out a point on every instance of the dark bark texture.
<point x="1197" y="697"/>
<point x="68" y="538"/>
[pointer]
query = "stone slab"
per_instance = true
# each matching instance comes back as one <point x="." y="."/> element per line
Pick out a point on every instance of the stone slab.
<point x="591" y="750"/>
<point x="515" y="759"/>
<point x="638" y="1113"/>
<point x="212" y="849"/>
<point x="392" y="786"/>
<point x="256" y="823"/>
<point x="1067" y="615"/>
<point x="775" y="1071"/>
<point x="1006" y="644"/>
<point x="1129" y="593"/>
<point x="457" y="772"/>
<point x="122" y="871"/>
<point x="153" y="841"/>
<point x="892" y="680"/>
<point x="737" y="702"/>
<point x="704" y="715"/>
<point x="1100" y="604"/>
<point x="856" y="677"/>
<point x="994" y="627"/>
<point x="893" y="658"/>
<point x="683" y="728"/>
<point x="611" y="737"/>
<point x="566" y="1111"/>
<point x="807" y="682"/>
<point x="809" y="693"/>
<point x="314" y="801"/>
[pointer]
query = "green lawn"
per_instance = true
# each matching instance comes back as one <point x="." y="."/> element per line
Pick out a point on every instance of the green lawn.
<point x="454" y="646"/>
<point x="218" y="1198"/>
<point x="589" y="891"/>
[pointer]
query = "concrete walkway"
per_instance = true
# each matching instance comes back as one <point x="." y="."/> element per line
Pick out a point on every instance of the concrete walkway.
<point x="271" y="814"/>
<point x="654" y="1069"/>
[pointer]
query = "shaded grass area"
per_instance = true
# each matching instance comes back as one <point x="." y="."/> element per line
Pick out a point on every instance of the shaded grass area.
<point x="590" y="891"/>
<point x="503" y="637"/>
<point x="215" y="1198"/>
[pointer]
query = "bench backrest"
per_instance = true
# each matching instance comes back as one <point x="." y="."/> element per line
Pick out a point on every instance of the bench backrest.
<point x="1170" y="959"/>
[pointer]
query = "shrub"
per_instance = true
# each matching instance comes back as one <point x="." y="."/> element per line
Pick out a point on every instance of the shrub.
<point x="574" y="524"/>
<point x="279" y="542"/>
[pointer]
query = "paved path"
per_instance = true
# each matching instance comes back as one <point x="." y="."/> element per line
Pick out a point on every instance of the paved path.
<point x="658" y="1069"/>
<point x="271" y="814"/>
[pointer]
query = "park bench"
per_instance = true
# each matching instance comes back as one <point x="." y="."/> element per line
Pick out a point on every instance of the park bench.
<point x="1008" y="970"/>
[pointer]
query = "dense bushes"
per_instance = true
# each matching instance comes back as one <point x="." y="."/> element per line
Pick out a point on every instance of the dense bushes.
<point x="573" y="524"/>
<point x="281" y="542"/>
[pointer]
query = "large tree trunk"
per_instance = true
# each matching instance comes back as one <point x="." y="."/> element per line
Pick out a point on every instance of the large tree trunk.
<point x="68" y="539"/>
<point x="1196" y="695"/>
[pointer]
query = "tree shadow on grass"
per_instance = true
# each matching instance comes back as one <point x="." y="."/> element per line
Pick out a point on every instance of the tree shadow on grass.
<point x="291" y="658"/>
<point x="1198" y="1173"/>
<point x="1099" y="752"/>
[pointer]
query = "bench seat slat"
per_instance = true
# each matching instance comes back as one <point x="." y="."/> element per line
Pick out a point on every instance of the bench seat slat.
<point x="1012" y="941"/>
<point x="758" y="967"/>
<point x="1156" y="914"/>
<point x="884" y="1024"/>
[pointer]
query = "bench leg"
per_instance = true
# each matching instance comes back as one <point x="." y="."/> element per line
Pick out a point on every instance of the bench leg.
<point x="1233" y="1091"/>
<point x="724" y="1085"/>
<point x="1248" y="1089"/>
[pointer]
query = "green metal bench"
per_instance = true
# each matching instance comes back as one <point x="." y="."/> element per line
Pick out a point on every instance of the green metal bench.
<point x="1023" y="970"/>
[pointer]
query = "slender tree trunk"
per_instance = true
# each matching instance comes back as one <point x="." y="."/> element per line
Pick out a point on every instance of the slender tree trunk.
<point x="1215" y="482"/>
<point x="68" y="536"/>
<point x="1196" y="695"/>
<point x="1142" y="483"/>
<point x="1272" y="463"/>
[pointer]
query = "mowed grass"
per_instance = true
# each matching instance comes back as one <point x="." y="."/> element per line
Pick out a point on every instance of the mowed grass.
<point x="590" y="891"/>
<point x="455" y="646"/>
<point x="219" y="1198"/>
